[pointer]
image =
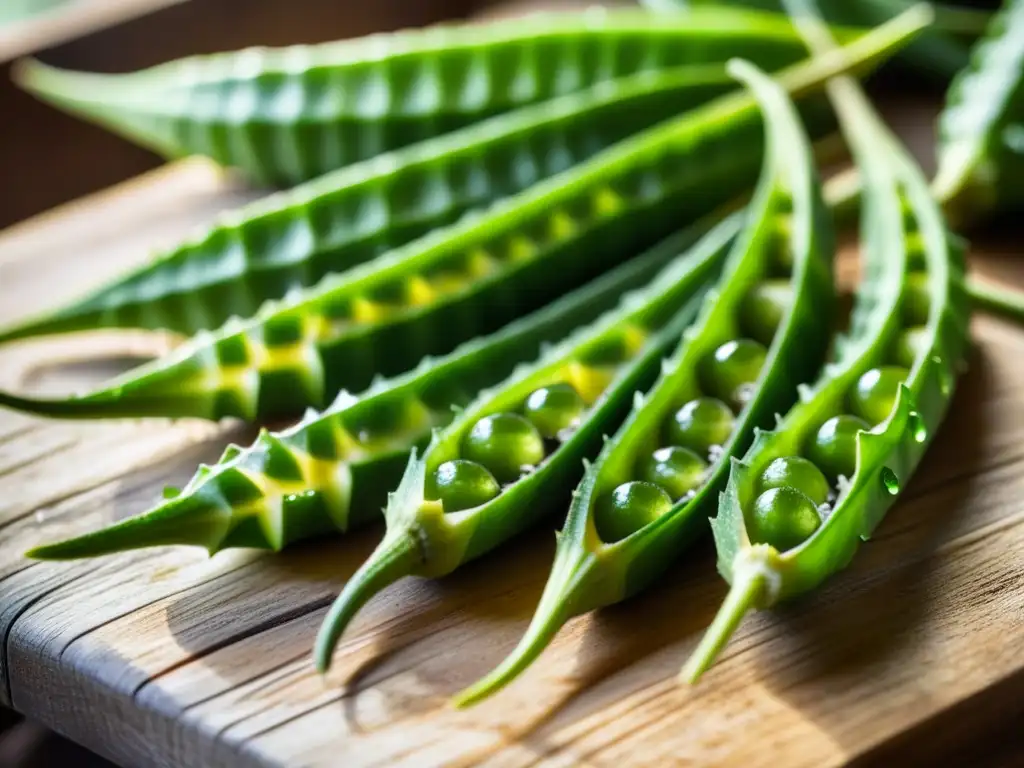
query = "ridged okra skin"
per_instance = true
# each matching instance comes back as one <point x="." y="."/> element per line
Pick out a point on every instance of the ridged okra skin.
<point x="497" y="468"/>
<point x="939" y="52"/>
<point x="981" y="128"/>
<point x="469" y="278"/>
<point x="291" y="240"/>
<point x="849" y="446"/>
<point x="286" y="115"/>
<point x="331" y="472"/>
<point x="626" y="523"/>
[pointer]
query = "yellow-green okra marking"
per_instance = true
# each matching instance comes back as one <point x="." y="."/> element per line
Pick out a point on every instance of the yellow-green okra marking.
<point x="808" y="492"/>
<point x="285" y="115"/>
<point x="981" y="129"/>
<point x="292" y="239"/>
<point x="470" y="278"/>
<point x="331" y="472"/>
<point x="643" y="499"/>
<point x="514" y="452"/>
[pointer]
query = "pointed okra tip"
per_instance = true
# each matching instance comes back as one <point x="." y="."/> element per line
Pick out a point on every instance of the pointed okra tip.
<point x="754" y="583"/>
<point x="395" y="557"/>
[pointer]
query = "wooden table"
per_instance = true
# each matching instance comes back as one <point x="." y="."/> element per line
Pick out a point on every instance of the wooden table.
<point x="170" y="658"/>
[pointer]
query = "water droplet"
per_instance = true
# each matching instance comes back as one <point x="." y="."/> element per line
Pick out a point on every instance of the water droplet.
<point x="890" y="481"/>
<point x="291" y="498"/>
<point x="917" y="427"/>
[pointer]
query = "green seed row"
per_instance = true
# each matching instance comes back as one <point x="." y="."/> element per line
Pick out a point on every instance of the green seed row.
<point x="795" y="493"/>
<point x="502" y="447"/>
<point x="692" y="437"/>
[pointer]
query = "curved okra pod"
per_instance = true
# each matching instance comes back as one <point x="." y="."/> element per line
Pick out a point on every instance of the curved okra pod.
<point x="469" y="278"/>
<point x="981" y="129"/>
<point x="331" y="472"/>
<point x="761" y="329"/>
<point x="806" y="493"/>
<point x="289" y="114"/>
<point x="940" y="51"/>
<point x="293" y="239"/>
<point x="512" y="454"/>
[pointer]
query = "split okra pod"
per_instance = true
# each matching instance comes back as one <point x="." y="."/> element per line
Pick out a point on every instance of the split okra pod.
<point x="285" y="115"/>
<point x="513" y="452"/>
<point x="469" y="278"/>
<point x="291" y="240"/>
<point x="331" y="472"/>
<point x="760" y="330"/>
<point x="808" y="492"/>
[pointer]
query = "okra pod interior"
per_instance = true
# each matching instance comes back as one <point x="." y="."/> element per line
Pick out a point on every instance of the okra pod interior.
<point x="640" y="502"/>
<point x="805" y="494"/>
<point x="331" y="472"/>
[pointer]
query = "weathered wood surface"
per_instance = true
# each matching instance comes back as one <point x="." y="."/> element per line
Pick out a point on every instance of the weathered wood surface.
<point x="70" y="20"/>
<point x="170" y="658"/>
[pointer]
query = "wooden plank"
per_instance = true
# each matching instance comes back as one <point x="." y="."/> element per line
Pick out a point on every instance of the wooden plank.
<point x="170" y="658"/>
<point x="68" y="20"/>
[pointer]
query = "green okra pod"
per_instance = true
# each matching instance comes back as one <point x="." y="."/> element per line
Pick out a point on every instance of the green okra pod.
<point x="514" y="452"/>
<point x="331" y="472"/>
<point x="285" y="115"/>
<point x="293" y="239"/>
<point x="469" y="278"/>
<point x="642" y="500"/>
<point x="981" y="129"/>
<point x="807" y="493"/>
<point x="940" y="51"/>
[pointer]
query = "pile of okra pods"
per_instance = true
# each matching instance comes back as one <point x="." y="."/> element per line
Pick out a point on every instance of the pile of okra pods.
<point x="574" y="269"/>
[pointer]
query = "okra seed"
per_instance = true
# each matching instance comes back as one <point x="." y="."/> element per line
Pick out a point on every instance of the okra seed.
<point x="629" y="508"/>
<point x="799" y="473"/>
<point x="834" y="447"/>
<point x="874" y="394"/>
<point x="916" y="300"/>
<point x="464" y="484"/>
<point x="554" y="408"/>
<point x="910" y="345"/>
<point x="504" y="443"/>
<point x="731" y="370"/>
<point x="783" y="518"/>
<point x="764" y="307"/>
<point x="700" y="424"/>
<point x="678" y="470"/>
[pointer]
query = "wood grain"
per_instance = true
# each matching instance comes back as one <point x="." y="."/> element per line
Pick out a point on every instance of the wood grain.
<point x="171" y="658"/>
